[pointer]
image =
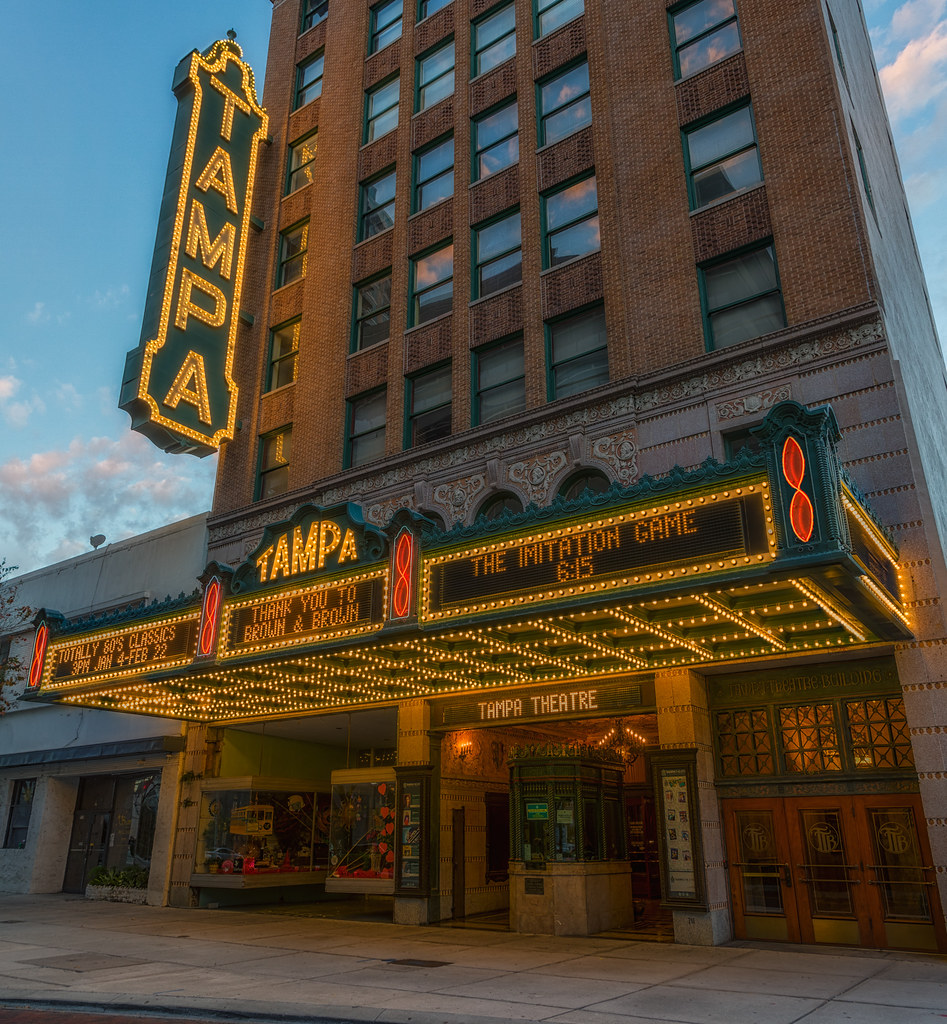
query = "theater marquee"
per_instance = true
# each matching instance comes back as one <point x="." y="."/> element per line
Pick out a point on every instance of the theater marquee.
<point x="178" y="386"/>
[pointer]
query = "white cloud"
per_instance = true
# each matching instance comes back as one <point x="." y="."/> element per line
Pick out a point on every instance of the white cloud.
<point x="9" y="385"/>
<point x="38" y="314"/>
<point x="918" y="75"/>
<point x="110" y="298"/>
<point x="52" y="501"/>
<point x="916" y="16"/>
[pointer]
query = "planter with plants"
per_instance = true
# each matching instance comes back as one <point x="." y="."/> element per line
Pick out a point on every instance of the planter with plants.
<point x="119" y="885"/>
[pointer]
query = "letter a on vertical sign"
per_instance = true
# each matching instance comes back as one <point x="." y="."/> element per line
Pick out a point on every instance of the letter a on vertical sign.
<point x="178" y="386"/>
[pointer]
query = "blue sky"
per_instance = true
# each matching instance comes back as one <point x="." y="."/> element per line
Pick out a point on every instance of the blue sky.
<point x="87" y="128"/>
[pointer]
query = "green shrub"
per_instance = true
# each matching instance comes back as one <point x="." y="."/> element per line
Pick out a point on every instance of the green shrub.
<point x="129" y="878"/>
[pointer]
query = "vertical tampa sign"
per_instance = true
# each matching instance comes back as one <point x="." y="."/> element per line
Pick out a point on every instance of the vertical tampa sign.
<point x="178" y="386"/>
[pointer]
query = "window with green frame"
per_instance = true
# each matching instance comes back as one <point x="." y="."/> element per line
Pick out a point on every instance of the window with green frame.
<point x="275" y="450"/>
<point x="837" y="44"/>
<point x="284" y="347"/>
<point x="499" y="377"/>
<point x="377" y="205"/>
<point x="435" y="76"/>
<point x="428" y="405"/>
<point x="564" y="104"/>
<point x="314" y="11"/>
<point x="742" y="298"/>
<point x="21" y="807"/>
<point x="428" y="7"/>
<point x="497" y="255"/>
<point x="385" y="24"/>
<point x="432" y="285"/>
<point x="371" y="320"/>
<point x="291" y="264"/>
<point x="381" y="109"/>
<point x="493" y="39"/>
<point x="570" y="222"/>
<point x="433" y="174"/>
<point x="301" y="157"/>
<point x="309" y="79"/>
<point x="365" y="428"/>
<point x="495" y="140"/>
<point x="551" y="14"/>
<point x="577" y="348"/>
<point x="703" y="33"/>
<point x="722" y="157"/>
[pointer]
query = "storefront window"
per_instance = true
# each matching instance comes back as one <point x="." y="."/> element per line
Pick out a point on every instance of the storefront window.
<point x="362" y="840"/>
<point x="263" y="831"/>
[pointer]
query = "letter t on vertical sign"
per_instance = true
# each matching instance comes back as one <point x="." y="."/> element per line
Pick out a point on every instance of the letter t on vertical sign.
<point x="402" y="587"/>
<point x="178" y="385"/>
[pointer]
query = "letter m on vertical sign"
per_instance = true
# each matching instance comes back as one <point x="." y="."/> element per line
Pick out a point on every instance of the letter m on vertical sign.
<point x="178" y="386"/>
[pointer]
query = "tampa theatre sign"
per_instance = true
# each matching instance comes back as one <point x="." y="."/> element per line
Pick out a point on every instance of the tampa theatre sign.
<point x="178" y="386"/>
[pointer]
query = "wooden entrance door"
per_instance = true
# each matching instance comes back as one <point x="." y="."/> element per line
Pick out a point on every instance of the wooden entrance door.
<point x="845" y="870"/>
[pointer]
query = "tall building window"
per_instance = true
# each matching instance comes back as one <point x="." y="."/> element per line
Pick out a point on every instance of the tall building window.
<point x="499" y="377"/>
<point x="381" y="109"/>
<point x="722" y="157"/>
<point x="21" y="806"/>
<point x="564" y="104"/>
<point x="498" y="256"/>
<point x="433" y="174"/>
<point x="703" y="33"/>
<point x="365" y="434"/>
<point x="309" y="80"/>
<point x="570" y="223"/>
<point x="550" y="14"/>
<point x="372" y="317"/>
<point x="275" y="449"/>
<point x="284" y="346"/>
<point x="301" y="157"/>
<point x="314" y="11"/>
<point x="432" y="285"/>
<point x="429" y="406"/>
<point x="377" y="206"/>
<point x="837" y="43"/>
<point x="494" y="40"/>
<point x="429" y="7"/>
<point x="742" y="298"/>
<point x="495" y="142"/>
<point x="435" y="77"/>
<point x="863" y="167"/>
<point x="293" y="243"/>
<point x="577" y="353"/>
<point x="385" y="25"/>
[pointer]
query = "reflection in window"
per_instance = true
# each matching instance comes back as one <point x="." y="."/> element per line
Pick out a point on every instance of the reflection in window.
<point x="564" y="104"/>
<point x="293" y="244"/>
<point x="722" y="157"/>
<point x="746" y="747"/>
<point x="743" y="299"/>
<point x="429" y="406"/>
<point x="372" y="313"/>
<point x="499" y="381"/>
<point x="571" y="223"/>
<point x="301" y="157"/>
<point x="497" y="255"/>
<point x="432" y="285"/>
<point x="314" y="11"/>
<point x="435" y="78"/>
<point x="809" y="738"/>
<point x="275" y="450"/>
<point x="309" y="80"/>
<point x="496" y="141"/>
<point x="434" y="174"/>
<point x="385" y="25"/>
<point x="366" y="428"/>
<point x="284" y="346"/>
<point x="551" y="14"/>
<point x="494" y="40"/>
<point x="879" y="733"/>
<point x="703" y="33"/>
<point x="21" y="807"/>
<point x="381" y="110"/>
<point x="378" y="206"/>
<point x="578" y="353"/>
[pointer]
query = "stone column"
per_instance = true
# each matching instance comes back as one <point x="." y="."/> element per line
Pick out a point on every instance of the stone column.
<point x="419" y="750"/>
<point x="187" y="801"/>
<point x="684" y="724"/>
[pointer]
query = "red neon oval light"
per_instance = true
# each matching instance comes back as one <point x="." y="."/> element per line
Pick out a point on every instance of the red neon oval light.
<point x="801" y="511"/>
<point x="39" y="654"/>
<point x="209" y="617"/>
<point x="403" y="564"/>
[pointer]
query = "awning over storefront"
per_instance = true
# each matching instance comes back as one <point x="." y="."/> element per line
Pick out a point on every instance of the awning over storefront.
<point x="772" y="556"/>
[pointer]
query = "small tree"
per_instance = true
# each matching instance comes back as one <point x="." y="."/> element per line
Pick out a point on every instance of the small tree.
<point x="12" y="618"/>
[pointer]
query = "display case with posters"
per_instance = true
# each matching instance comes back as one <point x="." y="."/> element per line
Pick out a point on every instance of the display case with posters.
<point x="675" y="787"/>
<point x="362" y="831"/>
<point x="258" y="833"/>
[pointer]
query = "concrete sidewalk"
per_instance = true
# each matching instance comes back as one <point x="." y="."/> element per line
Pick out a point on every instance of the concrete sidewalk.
<point x="64" y="951"/>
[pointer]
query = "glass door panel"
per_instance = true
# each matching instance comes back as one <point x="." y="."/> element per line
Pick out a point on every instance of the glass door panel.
<point x="829" y="876"/>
